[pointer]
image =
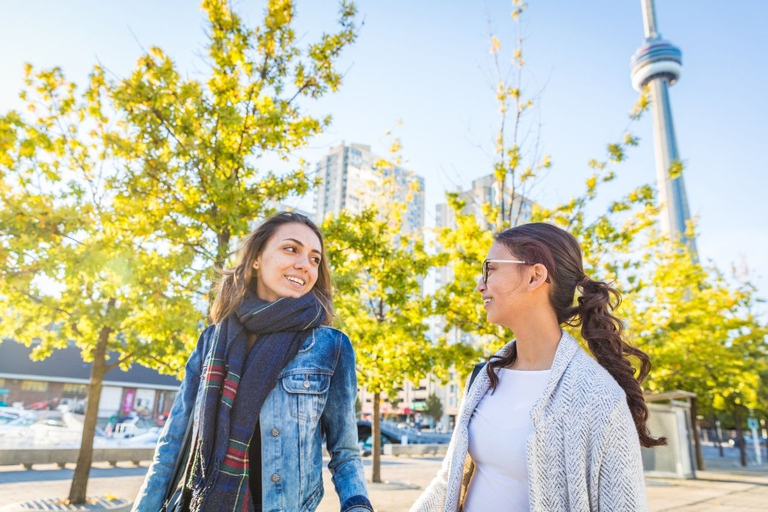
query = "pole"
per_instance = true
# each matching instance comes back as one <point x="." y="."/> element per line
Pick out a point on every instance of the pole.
<point x="649" y="20"/>
<point x="719" y="436"/>
<point x="753" y="425"/>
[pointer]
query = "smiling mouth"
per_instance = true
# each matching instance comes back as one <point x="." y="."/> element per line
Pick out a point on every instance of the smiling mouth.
<point x="486" y="301"/>
<point x="295" y="280"/>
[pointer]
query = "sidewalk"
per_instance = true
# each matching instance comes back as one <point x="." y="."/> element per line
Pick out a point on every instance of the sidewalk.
<point x="714" y="490"/>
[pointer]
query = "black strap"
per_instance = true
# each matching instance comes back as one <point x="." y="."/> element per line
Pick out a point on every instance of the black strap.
<point x="180" y="468"/>
<point x="475" y="371"/>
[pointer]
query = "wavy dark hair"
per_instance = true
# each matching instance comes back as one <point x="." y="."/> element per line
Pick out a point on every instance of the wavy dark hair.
<point x="560" y="253"/>
<point x="234" y="282"/>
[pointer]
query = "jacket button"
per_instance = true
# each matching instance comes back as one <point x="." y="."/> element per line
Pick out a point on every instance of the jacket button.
<point x="275" y="478"/>
<point x="306" y="384"/>
<point x="275" y="432"/>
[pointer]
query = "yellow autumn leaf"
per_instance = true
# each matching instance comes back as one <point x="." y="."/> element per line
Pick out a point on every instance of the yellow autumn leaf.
<point x="495" y="45"/>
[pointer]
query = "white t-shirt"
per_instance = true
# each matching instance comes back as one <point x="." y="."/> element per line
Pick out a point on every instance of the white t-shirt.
<point x="498" y="435"/>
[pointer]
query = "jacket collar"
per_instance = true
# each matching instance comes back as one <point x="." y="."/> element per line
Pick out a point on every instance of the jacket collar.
<point x="566" y="349"/>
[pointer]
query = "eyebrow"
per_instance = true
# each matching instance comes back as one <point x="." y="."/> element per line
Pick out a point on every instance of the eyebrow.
<point x="301" y="244"/>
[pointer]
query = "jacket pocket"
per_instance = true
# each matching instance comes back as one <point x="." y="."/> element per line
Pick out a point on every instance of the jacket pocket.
<point x="313" y="500"/>
<point x="307" y="390"/>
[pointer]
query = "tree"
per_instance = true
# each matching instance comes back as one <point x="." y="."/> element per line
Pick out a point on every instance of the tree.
<point x="514" y="178"/>
<point x="117" y="204"/>
<point x="192" y="151"/>
<point x="434" y="408"/>
<point x="75" y="268"/>
<point x="378" y="271"/>
<point x="700" y="331"/>
<point x="608" y="239"/>
<point x="377" y="275"/>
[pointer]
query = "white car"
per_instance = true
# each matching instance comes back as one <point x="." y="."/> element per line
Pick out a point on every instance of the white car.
<point x="131" y="427"/>
<point x="18" y="427"/>
<point x="7" y="415"/>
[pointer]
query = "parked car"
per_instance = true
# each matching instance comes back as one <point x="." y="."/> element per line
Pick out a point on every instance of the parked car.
<point x="131" y="426"/>
<point x="41" y="428"/>
<point x="365" y="438"/>
<point x="18" y="427"/>
<point x="748" y="441"/>
<point x="56" y="431"/>
<point x="8" y="414"/>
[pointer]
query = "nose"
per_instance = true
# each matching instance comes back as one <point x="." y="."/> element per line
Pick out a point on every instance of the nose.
<point x="480" y="285"/>
<point x="301" y="262"/>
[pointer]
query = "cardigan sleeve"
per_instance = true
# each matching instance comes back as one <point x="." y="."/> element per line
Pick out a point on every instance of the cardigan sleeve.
<point x="621" y="483"/>
<point x="433" y="499"/>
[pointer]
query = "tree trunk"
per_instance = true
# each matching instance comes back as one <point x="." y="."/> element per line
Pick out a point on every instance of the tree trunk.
<point x="740" y="436"/>
<point x="222" y="247"/>
<point x="696" y="441"/>
<point x="85" y="457"/>
<point x="376" y="433"/>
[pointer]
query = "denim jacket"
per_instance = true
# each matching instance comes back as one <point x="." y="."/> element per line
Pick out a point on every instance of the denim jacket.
<point x="314" y="399"/>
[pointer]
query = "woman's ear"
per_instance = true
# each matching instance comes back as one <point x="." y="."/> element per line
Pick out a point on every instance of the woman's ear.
<point x="539" y="275"/>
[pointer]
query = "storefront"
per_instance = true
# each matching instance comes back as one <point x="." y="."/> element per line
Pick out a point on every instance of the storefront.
<point x="62" y="380"/>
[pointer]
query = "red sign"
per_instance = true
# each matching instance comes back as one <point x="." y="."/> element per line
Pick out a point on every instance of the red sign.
<point x="130" y="394"/>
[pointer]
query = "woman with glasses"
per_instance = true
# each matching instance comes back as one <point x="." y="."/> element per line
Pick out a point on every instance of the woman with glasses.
<point x="269" y="384"/>
<point x="545" y="426"/>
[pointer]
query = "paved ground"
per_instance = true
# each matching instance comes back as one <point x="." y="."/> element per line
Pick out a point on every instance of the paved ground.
<point x="727" y="488"/>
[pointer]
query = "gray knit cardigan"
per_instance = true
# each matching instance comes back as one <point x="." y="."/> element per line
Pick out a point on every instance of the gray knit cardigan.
<point x="583" y="455"/>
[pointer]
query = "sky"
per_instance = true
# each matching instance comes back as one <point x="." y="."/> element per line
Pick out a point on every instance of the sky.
<point x="427" y="65"/>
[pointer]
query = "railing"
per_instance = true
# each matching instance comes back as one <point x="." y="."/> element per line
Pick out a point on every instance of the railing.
<point x="62" y="456"/>
<point x="415" y="449"/>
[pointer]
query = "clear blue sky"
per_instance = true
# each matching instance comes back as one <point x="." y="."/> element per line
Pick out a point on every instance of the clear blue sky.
<point x="427" y="63"/>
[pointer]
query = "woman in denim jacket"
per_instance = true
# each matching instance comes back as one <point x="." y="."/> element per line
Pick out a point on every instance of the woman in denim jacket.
<point x="267" y="383"/>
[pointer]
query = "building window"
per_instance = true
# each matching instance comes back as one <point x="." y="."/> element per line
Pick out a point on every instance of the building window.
<point x="75" y="389"/>
<point x="34" y="385"/>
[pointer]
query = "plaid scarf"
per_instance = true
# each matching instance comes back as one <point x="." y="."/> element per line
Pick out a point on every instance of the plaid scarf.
<point x="219" y="477"/>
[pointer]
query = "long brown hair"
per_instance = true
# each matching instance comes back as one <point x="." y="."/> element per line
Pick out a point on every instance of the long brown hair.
<point x="560" y="253"/>
<point x="235" y="281"/>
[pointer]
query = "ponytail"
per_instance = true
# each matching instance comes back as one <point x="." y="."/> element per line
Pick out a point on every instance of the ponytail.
<point x="603" y="333"/>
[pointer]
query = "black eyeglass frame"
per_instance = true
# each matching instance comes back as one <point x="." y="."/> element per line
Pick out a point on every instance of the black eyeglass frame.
<point x="487" y="261"/>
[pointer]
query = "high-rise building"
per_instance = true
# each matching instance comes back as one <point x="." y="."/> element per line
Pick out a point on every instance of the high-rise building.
<point x="486" y="190"/>
<point x="352" y="181"/>
<point x="658" y="64"/>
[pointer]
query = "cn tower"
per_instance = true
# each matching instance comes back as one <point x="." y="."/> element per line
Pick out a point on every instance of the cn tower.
<point x="658" y="64"/>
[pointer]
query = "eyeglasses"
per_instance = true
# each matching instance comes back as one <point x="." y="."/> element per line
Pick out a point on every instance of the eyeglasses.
<point x="486" y="262"/>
